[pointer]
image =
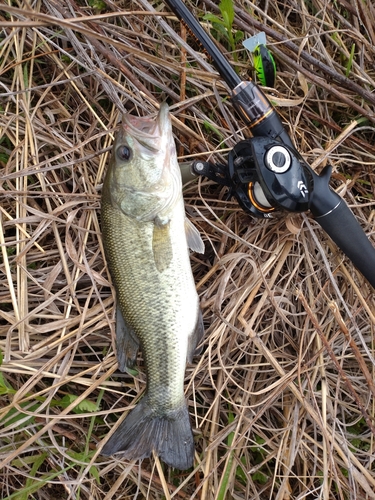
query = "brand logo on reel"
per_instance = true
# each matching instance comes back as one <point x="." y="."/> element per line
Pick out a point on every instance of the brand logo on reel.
<point x="302" y="187"/>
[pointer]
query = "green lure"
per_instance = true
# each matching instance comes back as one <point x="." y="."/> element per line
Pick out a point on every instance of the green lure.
<point x="265" y="66"/>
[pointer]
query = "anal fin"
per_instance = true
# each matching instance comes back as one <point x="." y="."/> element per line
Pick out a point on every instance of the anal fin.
<point x="195" y="339"/>
<point x="127" y="344"/>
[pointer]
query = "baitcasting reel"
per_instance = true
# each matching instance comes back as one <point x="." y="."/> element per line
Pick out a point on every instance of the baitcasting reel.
<point x="266" y="176"/>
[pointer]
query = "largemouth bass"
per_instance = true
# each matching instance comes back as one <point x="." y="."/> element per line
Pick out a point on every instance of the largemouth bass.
<point x="146" y="238"/>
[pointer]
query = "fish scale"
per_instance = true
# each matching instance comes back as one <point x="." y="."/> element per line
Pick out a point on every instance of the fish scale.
<point x="150" y="300"/>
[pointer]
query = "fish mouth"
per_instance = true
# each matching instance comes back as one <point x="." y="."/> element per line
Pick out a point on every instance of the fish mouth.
<point x="148" y="131"/>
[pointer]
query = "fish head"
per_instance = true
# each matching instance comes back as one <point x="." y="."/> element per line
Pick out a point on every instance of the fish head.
<point x="143" y="177"/>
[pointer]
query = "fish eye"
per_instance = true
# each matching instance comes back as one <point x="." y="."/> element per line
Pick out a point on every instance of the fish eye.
<point x="124" y="153"/>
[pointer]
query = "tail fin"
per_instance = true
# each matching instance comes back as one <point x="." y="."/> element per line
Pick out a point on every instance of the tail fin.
<point x="144" y="430"/>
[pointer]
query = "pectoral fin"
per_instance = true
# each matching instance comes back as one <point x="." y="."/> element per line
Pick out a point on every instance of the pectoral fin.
<point x="162" y="246"/>
<point x="193" y="237"/>
<point x="195" y="339"/>
<point x="127" y="344"/>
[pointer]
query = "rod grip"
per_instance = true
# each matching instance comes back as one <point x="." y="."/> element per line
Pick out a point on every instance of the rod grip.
<point x="339" y="222"/>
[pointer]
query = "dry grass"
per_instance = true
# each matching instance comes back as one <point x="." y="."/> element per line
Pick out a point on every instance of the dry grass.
<point x="282" y="398"/>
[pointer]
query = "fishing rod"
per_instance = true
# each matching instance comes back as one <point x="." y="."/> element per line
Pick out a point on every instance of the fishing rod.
<point x="266" y="173"/>
<point x="249" y="100"/>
